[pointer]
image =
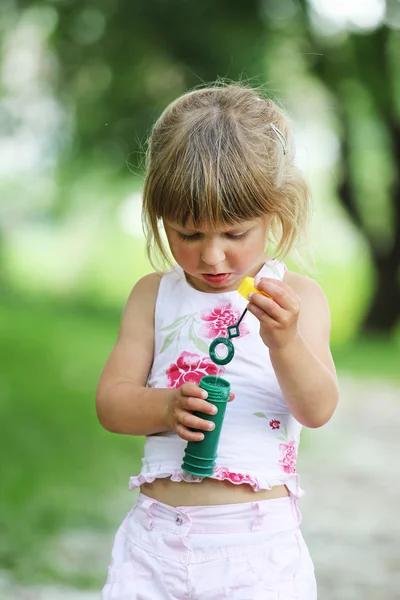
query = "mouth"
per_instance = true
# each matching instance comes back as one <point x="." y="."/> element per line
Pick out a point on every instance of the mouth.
<point x="219" y="278"/>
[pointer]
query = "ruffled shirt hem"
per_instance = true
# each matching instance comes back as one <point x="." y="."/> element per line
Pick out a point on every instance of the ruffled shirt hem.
<point x="291" y="481"/>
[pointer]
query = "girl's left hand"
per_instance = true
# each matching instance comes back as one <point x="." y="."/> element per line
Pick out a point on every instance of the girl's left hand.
<point x="278" y="314"/>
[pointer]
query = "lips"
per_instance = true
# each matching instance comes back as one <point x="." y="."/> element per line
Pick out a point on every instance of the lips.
<point x="219" y="278"/>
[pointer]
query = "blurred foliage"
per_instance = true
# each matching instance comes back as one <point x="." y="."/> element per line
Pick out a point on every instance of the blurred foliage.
<point x="62" y="470"/>
<point x="361" y="71"/>
<point x="121" y="62"/>
<point x="115" y="66"/>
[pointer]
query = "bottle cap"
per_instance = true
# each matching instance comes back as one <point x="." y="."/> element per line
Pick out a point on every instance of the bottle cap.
<point x="246" y="287"/>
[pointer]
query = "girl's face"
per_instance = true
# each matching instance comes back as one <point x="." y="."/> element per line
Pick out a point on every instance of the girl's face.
<point x="218" y="260"/>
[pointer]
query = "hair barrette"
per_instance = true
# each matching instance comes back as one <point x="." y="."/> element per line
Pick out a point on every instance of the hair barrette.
<point x="280" y="136"/>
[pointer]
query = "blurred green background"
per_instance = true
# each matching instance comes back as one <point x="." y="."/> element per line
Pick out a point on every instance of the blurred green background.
<point x="80" y="85"/>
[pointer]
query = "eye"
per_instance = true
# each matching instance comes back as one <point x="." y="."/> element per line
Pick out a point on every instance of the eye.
<point x="188" y="238"/>
<point x="237" y="236"/>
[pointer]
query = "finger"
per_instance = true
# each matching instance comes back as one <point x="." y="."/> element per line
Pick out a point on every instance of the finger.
<point x="196" y="422"/>
<point x="279" y="291"/>
<point x="231" y="396"/>
<point x="192" y="421"/>
<point x="270" y="280"/>
<point x="192" y="389"/>
<point x="188" y="435"/>
<point x="267" y="322"/>
<point x="200" y="405"/>
<point x="260" y="307"/>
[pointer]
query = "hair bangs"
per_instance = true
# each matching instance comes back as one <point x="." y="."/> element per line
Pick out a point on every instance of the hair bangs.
<point x="218" y="192"/>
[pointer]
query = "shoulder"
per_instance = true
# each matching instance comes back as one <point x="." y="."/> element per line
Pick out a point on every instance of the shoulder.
<point x="148" y="284"/>
<point x="304" y="287"/>
<point x="142" y="299"/>
<point x="132" y="355"/>
<point x="314" y="304"/>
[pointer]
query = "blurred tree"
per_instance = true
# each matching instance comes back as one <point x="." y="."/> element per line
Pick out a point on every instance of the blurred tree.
<point x="122" y="62"/>
<point x="361" y="69"/>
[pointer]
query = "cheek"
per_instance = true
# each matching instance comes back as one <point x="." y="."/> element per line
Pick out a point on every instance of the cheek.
<point x="184" y="255"/>
<point x="251" y="249"/>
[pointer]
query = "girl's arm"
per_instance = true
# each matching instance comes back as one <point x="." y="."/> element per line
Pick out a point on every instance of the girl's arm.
<point x="122" y="400"/>
<point x="295" y="325"/>
<point x="124" y="404"/>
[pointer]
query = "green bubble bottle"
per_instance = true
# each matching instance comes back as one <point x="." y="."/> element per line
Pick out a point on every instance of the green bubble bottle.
<point x="199" y="458"/>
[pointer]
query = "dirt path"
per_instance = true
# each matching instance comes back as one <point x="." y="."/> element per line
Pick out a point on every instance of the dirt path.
<point x="350" y="471"/>
<point x="351" y="475"/>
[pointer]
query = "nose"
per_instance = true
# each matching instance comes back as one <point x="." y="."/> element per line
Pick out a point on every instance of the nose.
<point x="212" y="253"/>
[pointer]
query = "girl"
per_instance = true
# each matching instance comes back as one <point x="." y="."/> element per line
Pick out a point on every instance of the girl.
<point x="221" y="181"/>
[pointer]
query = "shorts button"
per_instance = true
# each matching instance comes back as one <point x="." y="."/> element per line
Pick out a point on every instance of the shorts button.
<point x="178" y="519"/>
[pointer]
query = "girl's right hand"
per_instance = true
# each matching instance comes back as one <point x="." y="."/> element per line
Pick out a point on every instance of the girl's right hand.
<point x="180" y="418"/>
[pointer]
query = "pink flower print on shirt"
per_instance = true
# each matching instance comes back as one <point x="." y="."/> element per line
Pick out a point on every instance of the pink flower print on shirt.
<point x="224" y="473"/>
<point x="190" y="368"/>
<point x="217" y="321"/>
<point x="287" y="449"/>
<point x="288" y="456"/>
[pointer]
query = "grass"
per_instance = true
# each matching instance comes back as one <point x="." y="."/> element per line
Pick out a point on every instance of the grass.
<point x="60" y="470"/>
<point x="369" y="357"/>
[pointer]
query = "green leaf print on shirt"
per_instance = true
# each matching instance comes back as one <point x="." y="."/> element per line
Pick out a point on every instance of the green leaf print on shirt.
<point x="198" y="342"/>
<point x="177" y="322"/>
<point x="168" y="341"/>
<point x="176" y="328"/>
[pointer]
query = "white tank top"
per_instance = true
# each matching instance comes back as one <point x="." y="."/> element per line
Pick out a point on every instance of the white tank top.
<point x="259" y="437"/>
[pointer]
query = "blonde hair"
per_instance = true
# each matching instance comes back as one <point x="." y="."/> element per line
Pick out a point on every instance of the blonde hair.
<point x="214" y="155"/>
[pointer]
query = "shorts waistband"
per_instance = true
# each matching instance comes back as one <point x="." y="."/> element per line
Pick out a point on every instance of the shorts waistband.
<point x="273" y="515"/>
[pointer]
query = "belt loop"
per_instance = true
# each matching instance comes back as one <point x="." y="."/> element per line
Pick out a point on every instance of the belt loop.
<point x="257" y="518"/>
<point x="147" y="504"/>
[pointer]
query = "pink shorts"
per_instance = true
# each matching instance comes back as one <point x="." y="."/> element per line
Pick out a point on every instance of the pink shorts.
<point x="249" y="551"/>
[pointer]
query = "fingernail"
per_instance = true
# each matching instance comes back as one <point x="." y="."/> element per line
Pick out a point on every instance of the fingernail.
<point x="211" y="426"/>
<point x="214" y="410"/>
<point x="250" y="295"/>
<point x="204" y="395"/>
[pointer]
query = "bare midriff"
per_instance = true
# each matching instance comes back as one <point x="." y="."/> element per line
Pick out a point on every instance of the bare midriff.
<point x="207" y="492"/>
